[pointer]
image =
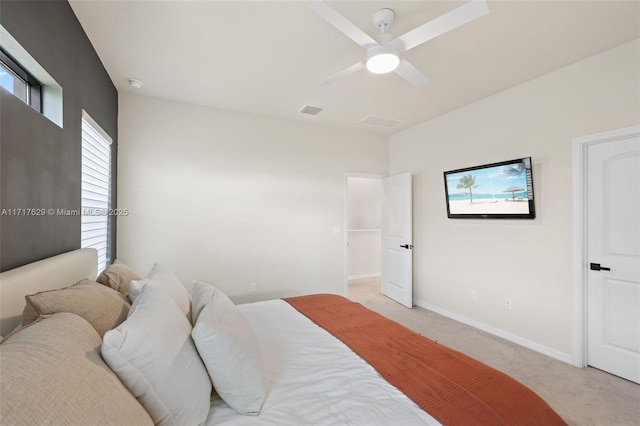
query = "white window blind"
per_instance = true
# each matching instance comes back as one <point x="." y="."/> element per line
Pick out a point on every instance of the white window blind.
<point x="96" y="189"/>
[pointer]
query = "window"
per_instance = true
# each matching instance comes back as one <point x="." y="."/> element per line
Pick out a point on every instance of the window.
<point x="96" y="189"/>
<point x="18" y="81"/>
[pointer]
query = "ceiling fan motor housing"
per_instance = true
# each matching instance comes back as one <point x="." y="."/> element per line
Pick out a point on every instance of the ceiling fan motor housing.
<point x="383" y="48"/>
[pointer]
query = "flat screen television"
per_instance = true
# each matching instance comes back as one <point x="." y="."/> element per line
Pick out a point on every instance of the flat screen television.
<point x="501" y="190"/>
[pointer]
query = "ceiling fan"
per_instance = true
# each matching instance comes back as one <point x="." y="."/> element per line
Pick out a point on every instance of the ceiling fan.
<point x="384" y="51"/>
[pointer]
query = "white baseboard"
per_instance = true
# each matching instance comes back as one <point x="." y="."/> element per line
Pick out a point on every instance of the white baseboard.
<point x="497" y="332"/>
<point x="361" y="276"/>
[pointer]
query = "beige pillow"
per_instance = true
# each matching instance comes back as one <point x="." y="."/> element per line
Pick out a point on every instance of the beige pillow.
<point x="52" y="373"/>
<point x="118" y="276"/>
<point x="101" y="306"/>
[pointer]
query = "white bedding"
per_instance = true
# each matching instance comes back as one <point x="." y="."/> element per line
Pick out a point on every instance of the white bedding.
<point x="314" y="379"/>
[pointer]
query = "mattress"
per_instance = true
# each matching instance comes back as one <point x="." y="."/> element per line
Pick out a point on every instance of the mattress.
<point x="313" y="378"/>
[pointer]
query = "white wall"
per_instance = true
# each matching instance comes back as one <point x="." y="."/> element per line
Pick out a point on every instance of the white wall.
<point x="365" y="221"/>
<point x="528" y="261"/>
<point x="365" y="203"/>
<point x="364" y="254"/>
<point x="233" y="198"/>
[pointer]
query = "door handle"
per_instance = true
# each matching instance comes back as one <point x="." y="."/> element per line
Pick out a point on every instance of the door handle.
<point x="597" y="267"/>
<point x="407" y="246"/>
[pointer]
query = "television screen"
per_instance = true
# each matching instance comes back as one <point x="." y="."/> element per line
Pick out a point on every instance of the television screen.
<point x="501" y="190"/>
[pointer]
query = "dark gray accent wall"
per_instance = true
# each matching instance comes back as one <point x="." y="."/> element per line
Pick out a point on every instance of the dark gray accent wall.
<point x="40" y="163"/>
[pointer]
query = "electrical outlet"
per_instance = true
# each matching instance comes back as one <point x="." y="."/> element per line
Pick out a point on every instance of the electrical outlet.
<point x="252" y="287"/>
<point x="474" y="295"/>
<point x="507" y="303"/>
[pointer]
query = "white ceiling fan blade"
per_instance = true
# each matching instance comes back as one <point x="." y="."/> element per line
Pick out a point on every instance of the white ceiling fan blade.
<point x="411" y="74"/>
<point x="343" y="25"/>
<point x="344" y="73"/>
<point x="442" y="24"/>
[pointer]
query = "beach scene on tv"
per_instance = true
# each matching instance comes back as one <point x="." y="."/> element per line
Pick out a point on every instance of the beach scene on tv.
<point x="492" y="190"/>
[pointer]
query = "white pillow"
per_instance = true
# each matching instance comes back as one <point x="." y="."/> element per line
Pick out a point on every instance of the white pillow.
<point x="201" y="294"/>
<point x="229" y="349"/>
<point x="154" y="356"/>
<point x="161" y="277"/>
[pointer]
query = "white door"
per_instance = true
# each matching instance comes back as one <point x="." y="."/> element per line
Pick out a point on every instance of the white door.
<point x="613" y="256"/>
<point x="397" y="241"/>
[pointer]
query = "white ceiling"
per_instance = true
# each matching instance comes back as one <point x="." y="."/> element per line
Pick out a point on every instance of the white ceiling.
<point x="267" y="57"/>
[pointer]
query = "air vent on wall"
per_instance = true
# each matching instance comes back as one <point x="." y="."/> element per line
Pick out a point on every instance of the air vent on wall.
<point x="372" y="120"/>
<point x="311" y="110"/>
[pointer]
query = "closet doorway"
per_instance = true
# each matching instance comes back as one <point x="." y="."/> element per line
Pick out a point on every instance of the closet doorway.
<point x="363" y="236"/>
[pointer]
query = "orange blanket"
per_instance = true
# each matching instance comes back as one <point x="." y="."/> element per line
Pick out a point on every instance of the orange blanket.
<point x="452" y="387"/>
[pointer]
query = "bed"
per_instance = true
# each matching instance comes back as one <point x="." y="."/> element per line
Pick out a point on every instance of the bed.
<point x="311" y="371"/>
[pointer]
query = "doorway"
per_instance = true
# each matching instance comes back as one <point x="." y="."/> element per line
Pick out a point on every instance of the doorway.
<point x="607" y="252"/>
<point x="363" y="225"/>
<point x="378" y="229"/>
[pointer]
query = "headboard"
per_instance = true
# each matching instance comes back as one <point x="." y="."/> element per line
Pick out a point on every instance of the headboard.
<point x="55" y="272"/>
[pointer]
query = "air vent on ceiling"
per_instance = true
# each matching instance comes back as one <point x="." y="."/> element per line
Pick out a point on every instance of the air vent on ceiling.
<point x="311" y="110"/>
<point x="372" y="120"/>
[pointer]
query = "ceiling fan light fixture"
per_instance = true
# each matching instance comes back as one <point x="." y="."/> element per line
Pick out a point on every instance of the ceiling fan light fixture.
<point x="382" y="59"/>
<point x="383" y="63"/>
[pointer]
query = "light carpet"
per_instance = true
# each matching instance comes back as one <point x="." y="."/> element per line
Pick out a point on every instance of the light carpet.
<point x="582" y="396"/>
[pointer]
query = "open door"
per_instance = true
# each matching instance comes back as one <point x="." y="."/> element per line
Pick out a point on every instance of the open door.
<point x="397" y="241"/>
